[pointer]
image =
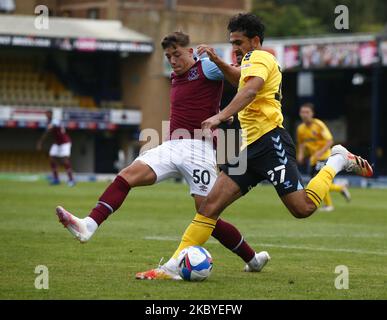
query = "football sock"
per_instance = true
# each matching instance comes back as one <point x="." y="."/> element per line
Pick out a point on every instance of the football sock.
<point x="67" y="165"/>
<point x="318" y="187"/>
<point x="197" y="233"/>
<point x="336" y="162"/>
<point x="54" y="169"/>
<point x="110" y="200"/>
<point x="231" y="238"/>
<point x="336" y="187"/>
<point x="328" y="200"/>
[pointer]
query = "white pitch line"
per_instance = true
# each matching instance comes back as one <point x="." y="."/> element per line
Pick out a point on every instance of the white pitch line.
<point x="358" y="251"/>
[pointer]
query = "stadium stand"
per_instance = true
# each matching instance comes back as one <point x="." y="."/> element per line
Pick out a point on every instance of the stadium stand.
<point x="23" y="161"/>
<point x="25" y="82"/>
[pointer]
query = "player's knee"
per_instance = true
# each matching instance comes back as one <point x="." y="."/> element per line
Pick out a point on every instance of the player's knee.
<point x="301" y="211"/>
<point x="129" y="175"/>
<point x="208" y="208"/>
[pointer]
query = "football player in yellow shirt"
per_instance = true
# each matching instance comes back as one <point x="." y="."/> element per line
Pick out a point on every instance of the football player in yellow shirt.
<point x="314" y="142"/>
<point x="268" y="152"/>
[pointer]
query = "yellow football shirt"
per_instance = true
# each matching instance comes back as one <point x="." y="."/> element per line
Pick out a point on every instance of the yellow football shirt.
<point x="314" y="137"/>
<point x="264" y="113"/>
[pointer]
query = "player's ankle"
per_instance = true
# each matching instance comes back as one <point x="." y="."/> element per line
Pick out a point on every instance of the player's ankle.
<point x="91" y="225"/>
<point x="337" y="162"/>
<point x="171" y="264"/>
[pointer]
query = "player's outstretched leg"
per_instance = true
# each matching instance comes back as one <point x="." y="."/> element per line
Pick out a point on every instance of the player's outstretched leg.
<point x="137" y="174"/>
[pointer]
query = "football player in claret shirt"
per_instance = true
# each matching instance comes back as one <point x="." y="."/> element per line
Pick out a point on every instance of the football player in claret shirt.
<point x="196" y="89"/>
<point x="60" y="150"/>
<point x="268" y="148"/>
<point x="314" y="143"/>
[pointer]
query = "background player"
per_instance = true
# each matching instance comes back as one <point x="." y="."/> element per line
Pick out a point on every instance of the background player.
<point x="195" y="95"/>
<point x="60" y="150"/>
<point x="314" y="142"/>
<point x="269" y="150"/>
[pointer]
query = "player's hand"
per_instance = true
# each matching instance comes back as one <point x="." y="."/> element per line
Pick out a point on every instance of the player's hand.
<point x="204" y="48"/>
<point x="211" y="124"/>
<point x="39" y="146"/>
<point x="300" y="160"/>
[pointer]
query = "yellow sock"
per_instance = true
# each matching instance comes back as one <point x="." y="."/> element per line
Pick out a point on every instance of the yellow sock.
<point x="318" y="187"/>
<point x="328" y="200"/>
<point x="197" y="233"/>
<point x="336" y="187"/>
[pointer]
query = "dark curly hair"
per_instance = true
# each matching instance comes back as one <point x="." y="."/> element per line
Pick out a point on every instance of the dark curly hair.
<point x="249" y="24"/>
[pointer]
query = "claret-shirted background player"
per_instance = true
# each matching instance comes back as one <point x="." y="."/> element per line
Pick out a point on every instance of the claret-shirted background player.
<point x="314" y="141"/>
<point x="195" y="95"/>
<point x="60" y="150"/>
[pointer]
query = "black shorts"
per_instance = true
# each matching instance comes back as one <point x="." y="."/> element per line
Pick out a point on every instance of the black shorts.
<point x="272" y="157"/>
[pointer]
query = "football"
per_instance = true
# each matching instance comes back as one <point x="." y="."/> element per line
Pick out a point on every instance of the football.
<point x="195" y="263"/>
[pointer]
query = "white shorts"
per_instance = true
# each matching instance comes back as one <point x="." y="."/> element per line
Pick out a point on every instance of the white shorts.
<point x="192" y="159"/>
<point x="60" y="150"/>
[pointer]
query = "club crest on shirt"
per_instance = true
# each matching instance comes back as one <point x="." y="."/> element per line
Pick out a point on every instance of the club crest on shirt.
<point x="193" y="74"/>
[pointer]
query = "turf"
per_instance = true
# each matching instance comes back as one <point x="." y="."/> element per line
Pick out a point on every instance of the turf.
<point x="148" y="226"/>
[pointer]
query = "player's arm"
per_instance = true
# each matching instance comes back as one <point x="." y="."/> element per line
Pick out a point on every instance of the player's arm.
<point x="326" y="147"/>
<point x="43" y="137"/>
<point x="327" y="135"/>
<point x="231" y="73"/>
<point x="242" y="99"/>
<point x="301" y="153"/>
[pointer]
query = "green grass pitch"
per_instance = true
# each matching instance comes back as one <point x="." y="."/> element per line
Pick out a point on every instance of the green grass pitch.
<point x="148" y="226"/>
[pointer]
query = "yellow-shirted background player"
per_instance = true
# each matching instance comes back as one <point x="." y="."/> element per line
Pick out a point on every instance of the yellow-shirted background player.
<point x="314" y="141"/>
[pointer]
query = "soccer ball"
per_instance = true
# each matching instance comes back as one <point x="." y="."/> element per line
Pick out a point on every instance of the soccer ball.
<point x="195" y="263"/>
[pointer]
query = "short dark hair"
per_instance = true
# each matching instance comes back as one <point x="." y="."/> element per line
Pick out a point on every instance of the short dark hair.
<point x="249" y="24"/>
<point x="174" y="39"/>
<point x="309" y="105"/>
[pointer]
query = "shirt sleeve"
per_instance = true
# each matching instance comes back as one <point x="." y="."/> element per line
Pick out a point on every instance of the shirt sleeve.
<point x="326" y="134"/>
<point x="256" y="64"/>
<point x="211" y="70"/>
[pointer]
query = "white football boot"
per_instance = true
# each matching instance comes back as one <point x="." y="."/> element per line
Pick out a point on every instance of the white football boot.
<point x="258" y="262"/>
<point x="353" y="163"/>
<point x="77" y="227"/>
